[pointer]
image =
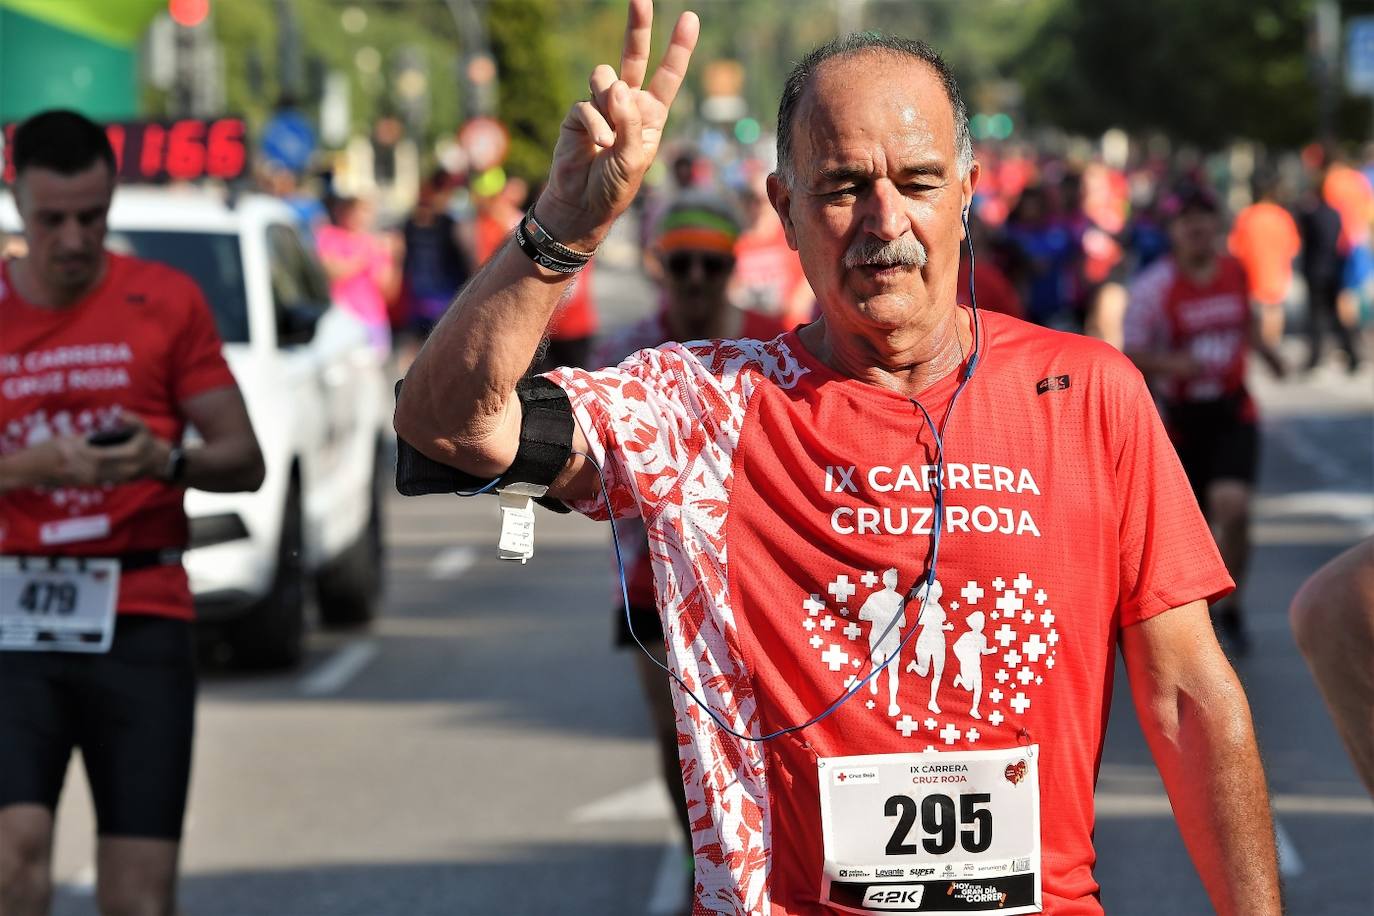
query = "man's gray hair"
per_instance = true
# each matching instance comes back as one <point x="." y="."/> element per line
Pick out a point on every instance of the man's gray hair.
<point x="857" y="43"/>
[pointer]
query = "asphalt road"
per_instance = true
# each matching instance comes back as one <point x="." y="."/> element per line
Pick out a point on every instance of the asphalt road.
<point x="483" y="750"/>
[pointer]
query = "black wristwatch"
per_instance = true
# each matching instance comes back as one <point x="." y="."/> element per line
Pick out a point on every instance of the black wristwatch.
<point x="176" y="465"/>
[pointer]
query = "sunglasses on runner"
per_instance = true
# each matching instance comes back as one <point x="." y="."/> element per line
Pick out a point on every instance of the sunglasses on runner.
<point x="680" y="263"/>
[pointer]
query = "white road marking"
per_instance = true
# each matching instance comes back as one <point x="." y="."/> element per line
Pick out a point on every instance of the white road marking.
<point x="668" y="880"/>
<point x="339" y="669"/>
<point x="452" y="563"/>
<point x="1290" y="863"/>
<point x="1341" y="504"/>
<point x="1156" y="804"/>
<point x="647" y="801"/>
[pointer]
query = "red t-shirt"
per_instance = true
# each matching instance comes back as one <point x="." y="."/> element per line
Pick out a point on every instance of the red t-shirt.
<point x="1170" y="312"/>
<point x="775" y="493"/>
<point x="767" y="275"/>
<point x="142" y="342"/>
<point x="1265" y="240"/>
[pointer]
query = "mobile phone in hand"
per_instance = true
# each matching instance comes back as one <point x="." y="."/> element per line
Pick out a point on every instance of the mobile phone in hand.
<point x="107" y="437"/>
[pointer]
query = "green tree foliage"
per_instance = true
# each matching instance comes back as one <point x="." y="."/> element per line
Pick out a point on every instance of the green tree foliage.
<point x="532" y="97"/>
<point x="1204" y="73"/>
<point x="248" y="34"/>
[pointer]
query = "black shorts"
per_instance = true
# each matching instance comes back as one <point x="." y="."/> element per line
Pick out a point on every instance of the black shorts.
<point x="1215" y="440"/>
<point x="131" y="712"/>
<point x="648" y="627"/>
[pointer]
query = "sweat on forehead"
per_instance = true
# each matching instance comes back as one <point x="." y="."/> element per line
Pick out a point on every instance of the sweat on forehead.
<point x="909" y="109"/>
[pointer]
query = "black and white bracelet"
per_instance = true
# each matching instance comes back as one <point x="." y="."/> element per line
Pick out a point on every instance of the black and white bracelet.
<point x="546" y="251"/>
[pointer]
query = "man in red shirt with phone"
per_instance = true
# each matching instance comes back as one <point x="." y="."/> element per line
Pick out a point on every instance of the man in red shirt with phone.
<point x="104" y="362"/>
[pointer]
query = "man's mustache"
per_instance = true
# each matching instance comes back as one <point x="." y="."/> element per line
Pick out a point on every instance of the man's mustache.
<point x="906" y="251"/>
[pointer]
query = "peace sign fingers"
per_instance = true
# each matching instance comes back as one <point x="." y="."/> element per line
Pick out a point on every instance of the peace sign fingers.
<point x="634" y="57"/>
<point x="668" y="78"/>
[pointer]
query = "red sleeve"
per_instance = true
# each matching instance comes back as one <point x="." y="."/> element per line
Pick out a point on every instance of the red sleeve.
<point x="1168" y="557"/>
<point x="198" y="357"/>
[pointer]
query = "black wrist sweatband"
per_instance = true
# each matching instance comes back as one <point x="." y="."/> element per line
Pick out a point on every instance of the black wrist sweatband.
<point x="546" y="431"/>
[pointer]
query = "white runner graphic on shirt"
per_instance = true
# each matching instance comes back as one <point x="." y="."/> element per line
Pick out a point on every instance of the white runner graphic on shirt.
<point x="1006" y="644"/>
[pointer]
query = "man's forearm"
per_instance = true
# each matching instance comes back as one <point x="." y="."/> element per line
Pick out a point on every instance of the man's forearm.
<point x="1206" y="751"/>
<point x="228" y="466"/>
<point x="457" y="391"/>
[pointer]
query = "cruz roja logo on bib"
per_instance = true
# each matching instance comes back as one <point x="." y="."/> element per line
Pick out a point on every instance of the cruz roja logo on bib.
<point x="979" y="652"/>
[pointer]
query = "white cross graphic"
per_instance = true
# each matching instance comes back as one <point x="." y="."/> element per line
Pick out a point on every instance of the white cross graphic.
<point x="1049" y="662"/>
<point x="816" y="643"/>
<point x="852" y="630"/>
<point x="1034" y="648"/>
<point x="995" y="695"/>
<point x="1020" y="703"/>
<point x="954" y="605"/>
<point x="972" y="593"/>
<point x="906" y="725"/>
<point x="1025" y="675"/>
<point x="1040" y="596"/>
<point x="998" y="584"/>
<point x="1047" y="618"/>
<point x="1021" y="583"/>
<point x="834" y="657"/>
<point x="1009" y="603"/>
<point x="842" y="589"/>
<point x="930" y="723"/>
<point x="994" y="615"/>
<point x="1039" y="680"/>
<point x="808" y="624"/>
<point x="972" y="735"/>
<point x="855" y="663"/>
<point x="828" y="623"/>
<point x="870" y="704"/>
<point x="1005" y="635"/>
<point x="813" y="605"/>
<point x="1027" y="615"/>
<point x="1054" y="637"/>
<point x="950" y="733"/>
<point x="1012" y="658"/>
<point x="869" y="579"/>
<point x="1002" y="676"/>
<point x="995" y="717"/>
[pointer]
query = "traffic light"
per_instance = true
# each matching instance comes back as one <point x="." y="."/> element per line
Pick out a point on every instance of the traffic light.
<point x="188" y="13"/>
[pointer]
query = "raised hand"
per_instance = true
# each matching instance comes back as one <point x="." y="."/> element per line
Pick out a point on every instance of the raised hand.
<point x="607" y="143"/>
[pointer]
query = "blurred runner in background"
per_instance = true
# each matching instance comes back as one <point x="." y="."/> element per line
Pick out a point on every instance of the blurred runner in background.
<point x="1050" y="256"/>
<point x="1323" y="270"/>
<point x="1265" y="240"/>
<point x="437" y="262"/>
<point x="361" y="266"/>
<point x="1350" y="193"/>
<point x="995" y="292"/>
<point x="107" y="360"/>
<point x="695" y="243"/>
<point x="1190" y="327"/>
<point x="768" y="278"/>
<point x="499" y="208"/>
